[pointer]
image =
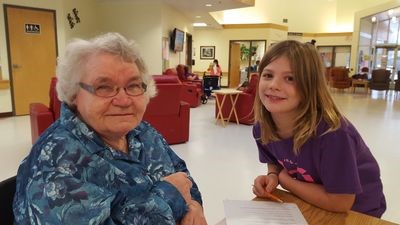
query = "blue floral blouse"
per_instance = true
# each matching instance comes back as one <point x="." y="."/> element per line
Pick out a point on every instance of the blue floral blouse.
<point x="72" y="177"/>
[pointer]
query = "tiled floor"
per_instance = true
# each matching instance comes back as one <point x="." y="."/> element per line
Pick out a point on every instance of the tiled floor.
<point x="224" y="161"/>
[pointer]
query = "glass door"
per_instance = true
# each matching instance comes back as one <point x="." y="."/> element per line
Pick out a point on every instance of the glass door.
<point x="387" y="57"/>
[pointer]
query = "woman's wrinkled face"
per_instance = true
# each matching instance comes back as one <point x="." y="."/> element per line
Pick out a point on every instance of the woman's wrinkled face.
<point x="111" y="117"/>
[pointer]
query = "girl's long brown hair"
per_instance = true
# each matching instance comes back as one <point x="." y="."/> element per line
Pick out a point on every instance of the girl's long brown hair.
<point x="316" y="103"/>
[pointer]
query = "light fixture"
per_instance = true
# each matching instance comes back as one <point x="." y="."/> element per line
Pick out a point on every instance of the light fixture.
<point x="199" y="24"/>
<point x="198" y="17"/>
<point x="373" y="19"/>
<point x="390" y="12"/>
<point x="208" y="5"/>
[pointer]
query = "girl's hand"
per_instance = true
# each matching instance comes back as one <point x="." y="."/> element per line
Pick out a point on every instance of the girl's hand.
<point x="284" y="178"/>
<point x="265" y="184"/>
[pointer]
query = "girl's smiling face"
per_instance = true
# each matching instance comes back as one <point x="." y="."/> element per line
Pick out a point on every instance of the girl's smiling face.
<point x="277" y="88"/>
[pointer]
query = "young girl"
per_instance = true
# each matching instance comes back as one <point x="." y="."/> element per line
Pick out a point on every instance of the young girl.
<point x="311" y="149"/>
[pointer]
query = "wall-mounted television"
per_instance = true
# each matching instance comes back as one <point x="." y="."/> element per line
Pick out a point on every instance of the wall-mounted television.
<point x="177" y="40"/>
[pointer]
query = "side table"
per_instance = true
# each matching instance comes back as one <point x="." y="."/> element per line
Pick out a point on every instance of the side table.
<point x="233" y="96"/>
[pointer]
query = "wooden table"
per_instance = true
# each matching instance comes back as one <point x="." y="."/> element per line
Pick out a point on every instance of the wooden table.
<point x="359" y="82"/>
<point x="233" y="96"/>
<point x="315" y="215"/>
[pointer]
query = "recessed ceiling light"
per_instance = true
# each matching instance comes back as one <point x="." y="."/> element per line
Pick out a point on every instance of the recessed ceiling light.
<point x="208" y="5"/>
<point x="198" y="16"/>
<point x="373" y="19"/>
<point x="199" y="24"/>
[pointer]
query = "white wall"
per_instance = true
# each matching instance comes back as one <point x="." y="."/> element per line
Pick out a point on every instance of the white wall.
<point x="173" y="19"/>
<point x="89" y="17"/>
<point x="140" y="21"/>
<point x="333" y="39"/>
<point x="220" y="39"/>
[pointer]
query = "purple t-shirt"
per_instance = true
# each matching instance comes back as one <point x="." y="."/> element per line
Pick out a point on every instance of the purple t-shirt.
<point x="339" y="160"/>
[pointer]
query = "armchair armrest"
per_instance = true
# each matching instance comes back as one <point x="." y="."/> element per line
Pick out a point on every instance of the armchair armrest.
<point x="41" y="118"/>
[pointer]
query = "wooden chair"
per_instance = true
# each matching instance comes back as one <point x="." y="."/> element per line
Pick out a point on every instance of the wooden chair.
<point x="339" y="78"/>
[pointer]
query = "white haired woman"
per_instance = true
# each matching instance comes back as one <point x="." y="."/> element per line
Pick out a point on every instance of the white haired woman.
<point x="100" y="163"/>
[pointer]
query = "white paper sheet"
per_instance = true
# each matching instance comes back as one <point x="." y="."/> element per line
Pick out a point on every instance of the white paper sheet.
<point x="239" y="212"/>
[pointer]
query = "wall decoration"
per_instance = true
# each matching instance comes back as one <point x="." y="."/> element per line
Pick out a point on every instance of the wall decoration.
<point x="207" y="52"/>
<point x="75" y="12"/>
<point x="70" y="20"/>
<point x="73" y="18"/>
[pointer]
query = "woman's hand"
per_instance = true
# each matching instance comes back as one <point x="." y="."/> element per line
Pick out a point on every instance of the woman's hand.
<point x="265" y="184"/>
<point x="195" y="215"/>
<point x="181" y="182"/>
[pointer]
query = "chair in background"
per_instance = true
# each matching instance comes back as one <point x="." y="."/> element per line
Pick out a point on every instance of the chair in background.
<point x="167" y="112"/>
<point x="244" y="104"/>
<point x="7" y="191"/>
<point x="339" y="78"/>
<point x="380" y="80"/>
<point x="41" y="116"/>
<point x="397" y="83"/>
<point x="191" y="92"/>
<point x="327" y="75"/>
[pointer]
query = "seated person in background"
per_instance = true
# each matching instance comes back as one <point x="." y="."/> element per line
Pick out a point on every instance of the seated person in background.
<point x="100" y="163"/>
<point x="189" y="75"/>
<point x="361" y="76"/>
<point x="254" y="68"/>
<point x="215" y="69"/>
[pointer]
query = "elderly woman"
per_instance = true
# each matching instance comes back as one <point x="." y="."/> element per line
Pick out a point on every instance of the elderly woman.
<point x="100" y="163"/>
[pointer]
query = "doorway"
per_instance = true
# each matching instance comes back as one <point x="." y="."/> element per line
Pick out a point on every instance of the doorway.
<point x="243" y="57"/>
<point x="32" y="53"/>
<point x="189" y="61"/>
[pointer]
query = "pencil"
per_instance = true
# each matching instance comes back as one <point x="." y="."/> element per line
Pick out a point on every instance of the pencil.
<point x="272" y="197"/>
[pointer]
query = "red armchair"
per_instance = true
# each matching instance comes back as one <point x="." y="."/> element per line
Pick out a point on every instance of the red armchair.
<point x="41" y="116"/>
<point x="244" y="105"/>
<point x="191" y="92"/>
<point x="167" y="112"/>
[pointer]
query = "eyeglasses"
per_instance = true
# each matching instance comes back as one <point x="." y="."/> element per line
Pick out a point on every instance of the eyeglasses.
<point x="108" y="91"/>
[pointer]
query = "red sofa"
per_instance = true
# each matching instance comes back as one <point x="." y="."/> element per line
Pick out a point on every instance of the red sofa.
<point x="167" y="112"/>
<point x="244" y="105"/>
<point x="41" y="116"/>
<point x="191" y="91"/>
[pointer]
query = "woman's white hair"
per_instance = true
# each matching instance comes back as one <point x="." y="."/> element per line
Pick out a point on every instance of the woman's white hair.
<point x="71" y="67"/>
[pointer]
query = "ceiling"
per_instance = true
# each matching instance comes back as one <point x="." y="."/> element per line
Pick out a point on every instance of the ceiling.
<point x="197" y="11"/>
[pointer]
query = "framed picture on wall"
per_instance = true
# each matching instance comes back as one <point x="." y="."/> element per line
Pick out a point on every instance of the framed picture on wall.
<point x="207" y="52"/>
